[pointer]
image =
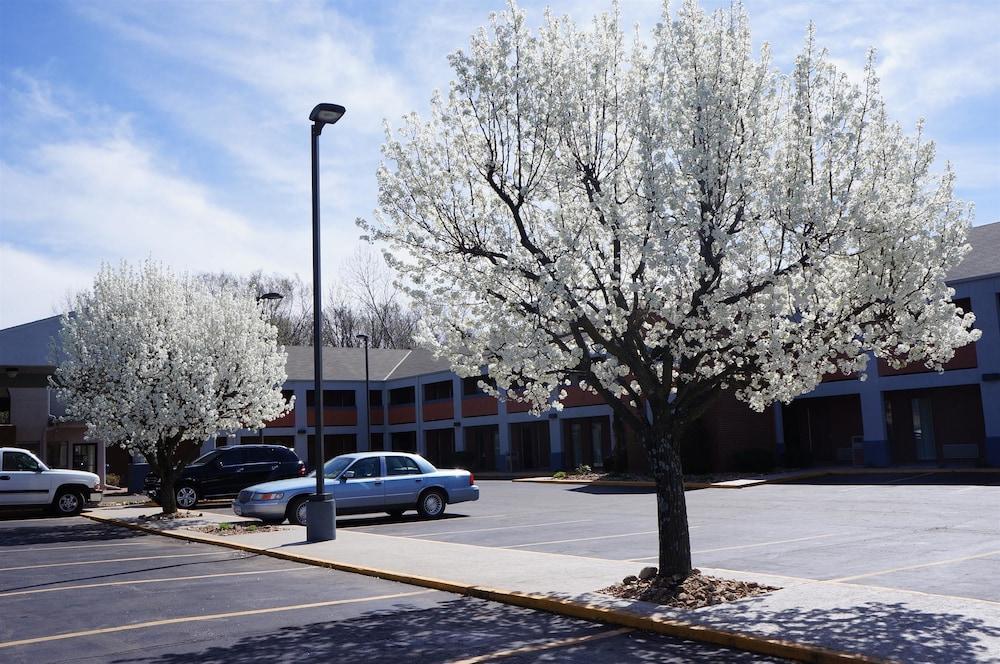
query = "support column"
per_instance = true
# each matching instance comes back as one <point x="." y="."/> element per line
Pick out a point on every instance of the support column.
<point x="876" y="439"/>
<point x="555" y="443"/>
<point x="503" y="458"/>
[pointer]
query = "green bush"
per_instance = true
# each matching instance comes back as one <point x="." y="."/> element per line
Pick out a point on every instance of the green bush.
<point x="112" y="479"/>
<point x="560" y="475"/>
<point x="583" y="469"/>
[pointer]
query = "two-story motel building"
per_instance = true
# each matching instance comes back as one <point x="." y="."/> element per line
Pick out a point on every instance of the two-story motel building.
<point x="415" y="403"/>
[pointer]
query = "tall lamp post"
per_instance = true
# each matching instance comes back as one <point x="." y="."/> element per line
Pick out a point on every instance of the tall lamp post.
<point x="273" y="298"/>
<point x="321" y="512"/>
<point x="368" y="397"/>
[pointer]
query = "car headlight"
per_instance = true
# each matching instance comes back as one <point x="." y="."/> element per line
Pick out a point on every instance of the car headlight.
<point x="268" y="496"/>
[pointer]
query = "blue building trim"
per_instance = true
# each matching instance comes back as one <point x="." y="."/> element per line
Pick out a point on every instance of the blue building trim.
<point x="877" y="453"/>
<point x="993" y="451"/>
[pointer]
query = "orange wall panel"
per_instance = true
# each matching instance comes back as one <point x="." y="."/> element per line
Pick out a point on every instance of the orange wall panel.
<point x="402" y="414"/>
<point x="439" y="410"/>
<point x="478" y="406"/>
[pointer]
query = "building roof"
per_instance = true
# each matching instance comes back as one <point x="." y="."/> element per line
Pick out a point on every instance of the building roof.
<point x="349" y="363"/>
<point x="984" y="259"/>
<point x="30" y="344"/>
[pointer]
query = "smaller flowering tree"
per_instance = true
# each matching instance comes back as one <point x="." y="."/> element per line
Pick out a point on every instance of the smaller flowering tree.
<point x="153" y="360"/>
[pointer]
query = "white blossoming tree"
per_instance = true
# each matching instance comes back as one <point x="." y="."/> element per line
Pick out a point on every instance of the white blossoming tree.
<point x="661" y="220"/>
<point x="152" y="360"/>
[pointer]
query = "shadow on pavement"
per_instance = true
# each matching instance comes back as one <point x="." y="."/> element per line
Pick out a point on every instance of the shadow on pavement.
<point x="611" y="490"/>
<point x="455" y="629"/>
<point x="910" y="478"/>
<point x="79" y="532"/>
<point x="889" y="630"/>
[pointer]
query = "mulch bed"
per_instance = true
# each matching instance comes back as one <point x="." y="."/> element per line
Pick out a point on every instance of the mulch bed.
<point x="179" y="514"/>
<point x="694" y="592"/>
<point x="237" y="528"/>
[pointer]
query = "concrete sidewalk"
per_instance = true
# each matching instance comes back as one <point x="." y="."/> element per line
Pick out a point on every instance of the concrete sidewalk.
<point x="879" y="622"/>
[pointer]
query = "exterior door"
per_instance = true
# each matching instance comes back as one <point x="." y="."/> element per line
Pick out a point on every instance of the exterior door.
<point x="365" y="490"/>
<point x="403" y="481"/>
<point x="21" y="480"/>
<point x="923" y="429"/>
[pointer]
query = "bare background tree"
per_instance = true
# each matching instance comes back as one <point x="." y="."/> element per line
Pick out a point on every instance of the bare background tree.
<point x="364" y="300"/>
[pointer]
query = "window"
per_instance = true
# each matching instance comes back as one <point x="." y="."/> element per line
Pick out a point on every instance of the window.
<point x="402" y="396"/>
<point x="233" y="456"/>
<point x="370" y="467"/>
<point x="375" y="397"/>
<point x="470" y="385"/>
<point x="4" y="406"/>
<point x="397" y="465"/>
<point x="221" y="441"/>
<point x="378" y="442"/>
<point x="206" y="458"/>
<point x="14" y="461"/>
<point x="437" y="391"/>
<point x="259" y="455"/>
<point x="332" y="398"/>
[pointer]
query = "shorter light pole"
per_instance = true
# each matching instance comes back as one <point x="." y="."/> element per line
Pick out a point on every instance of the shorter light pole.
<point x="368" y="397"/>
<point x="275" y="298"/>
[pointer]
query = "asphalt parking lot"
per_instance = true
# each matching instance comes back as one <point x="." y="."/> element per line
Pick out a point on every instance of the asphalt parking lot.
<point x="75" y="590"/>
<point x="930" y="532"/>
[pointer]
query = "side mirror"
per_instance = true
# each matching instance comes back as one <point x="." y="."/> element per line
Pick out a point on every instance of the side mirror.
<point x="347" y="474"/>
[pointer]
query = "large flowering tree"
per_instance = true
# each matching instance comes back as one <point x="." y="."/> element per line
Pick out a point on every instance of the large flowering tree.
<point x="152" y="360"/>
<point x="660" y="220"/>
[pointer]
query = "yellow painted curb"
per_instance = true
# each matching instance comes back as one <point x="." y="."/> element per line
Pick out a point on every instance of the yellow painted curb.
<point x="567" y="607"/>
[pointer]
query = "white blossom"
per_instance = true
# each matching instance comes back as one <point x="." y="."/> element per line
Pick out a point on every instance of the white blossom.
<point x="151" y="360"/>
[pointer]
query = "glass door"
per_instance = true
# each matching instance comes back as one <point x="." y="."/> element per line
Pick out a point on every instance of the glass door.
<point x="923" y="429"/>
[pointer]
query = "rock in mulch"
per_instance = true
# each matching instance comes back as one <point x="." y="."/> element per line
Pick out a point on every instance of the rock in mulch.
<point x="242" y="528"/>
<point x="694" y="592"/>
<point x="179" y="514"/>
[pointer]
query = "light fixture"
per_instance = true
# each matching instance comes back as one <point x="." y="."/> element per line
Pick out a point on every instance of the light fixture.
<point x="12" y="372"/>
<point x="325" y="114"/>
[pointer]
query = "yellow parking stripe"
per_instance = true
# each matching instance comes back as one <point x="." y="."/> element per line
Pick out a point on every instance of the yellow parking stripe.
<point x="116" y="560"/>
<point x="160" y="580"/>
<point x="580" y="539"/>
<point x="483" y="530"/>
<point x="919" y="566"/>
<point x="212" y="616"/>
<point x="561" y="643"/>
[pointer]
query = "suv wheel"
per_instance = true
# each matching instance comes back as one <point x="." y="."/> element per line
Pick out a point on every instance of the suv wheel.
<point x="68" y="502"/>
<point x="431" y="504"/>
<point x="187" y="497"/>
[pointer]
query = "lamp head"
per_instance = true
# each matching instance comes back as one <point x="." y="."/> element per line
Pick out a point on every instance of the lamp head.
<point x="325" y="114"/>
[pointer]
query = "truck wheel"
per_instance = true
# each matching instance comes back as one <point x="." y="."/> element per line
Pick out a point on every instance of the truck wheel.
<point x="68" y="502"/>
<point x="431" y="504"/>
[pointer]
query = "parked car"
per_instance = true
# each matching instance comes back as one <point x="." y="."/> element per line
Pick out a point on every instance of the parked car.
<point x="363" y="482"/>
<point x="27" y="482"/>
<point x="224" y="472"/>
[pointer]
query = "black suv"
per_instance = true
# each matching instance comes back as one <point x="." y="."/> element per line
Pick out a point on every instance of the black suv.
<point x="228" y="470"/>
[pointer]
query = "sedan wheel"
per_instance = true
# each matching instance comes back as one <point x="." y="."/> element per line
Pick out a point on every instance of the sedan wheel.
<point x="431" y="505"/>
<point x="297" y="511"/>
<point x="69" y="503"/>
<point x="187" y="497"/>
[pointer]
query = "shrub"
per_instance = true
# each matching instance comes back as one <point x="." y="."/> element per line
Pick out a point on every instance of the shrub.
<point x="560" y="475"/>
<point x="583" y="469"/>
<point x="112" y="479"/>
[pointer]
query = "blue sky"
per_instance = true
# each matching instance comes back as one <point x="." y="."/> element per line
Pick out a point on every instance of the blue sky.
<point x="178" y="130"/>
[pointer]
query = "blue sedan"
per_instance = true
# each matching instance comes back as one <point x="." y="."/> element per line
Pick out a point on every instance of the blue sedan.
<point x="361" y="483"/>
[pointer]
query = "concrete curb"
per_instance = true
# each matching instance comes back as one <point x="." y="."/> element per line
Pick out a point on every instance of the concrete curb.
<point x="567" y="607"/>
<point x="644" y="484"/>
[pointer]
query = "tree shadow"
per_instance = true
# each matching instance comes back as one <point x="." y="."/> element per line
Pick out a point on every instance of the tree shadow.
<point x="601" y="490"/>
<point x="890" y="630"/>
<point x="452" y="630"/>
<point x="82" y="532"/>
<point x="908" y="478"/>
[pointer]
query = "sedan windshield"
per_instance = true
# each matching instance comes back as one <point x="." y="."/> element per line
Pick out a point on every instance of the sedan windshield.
<point x="334" y="467"/>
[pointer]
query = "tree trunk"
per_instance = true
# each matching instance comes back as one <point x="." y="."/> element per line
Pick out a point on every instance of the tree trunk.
<point x="168" y="499"/>
<point x="671" y="508"/>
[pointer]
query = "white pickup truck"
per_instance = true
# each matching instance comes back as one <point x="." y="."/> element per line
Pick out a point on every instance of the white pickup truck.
<point x="27" y="482"/>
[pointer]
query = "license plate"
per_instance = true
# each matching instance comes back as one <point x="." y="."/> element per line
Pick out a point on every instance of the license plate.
<point x="237" y="509"/>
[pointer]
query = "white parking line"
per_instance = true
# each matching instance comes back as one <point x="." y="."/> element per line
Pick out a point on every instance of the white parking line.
<point x="211" y="616"/>
<point x="117" y="560"/>
<point x="579" y="539"/>
<point x="161" y="580"/>
<point x="483" y="530"/>
<point x="74" y="546"/>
